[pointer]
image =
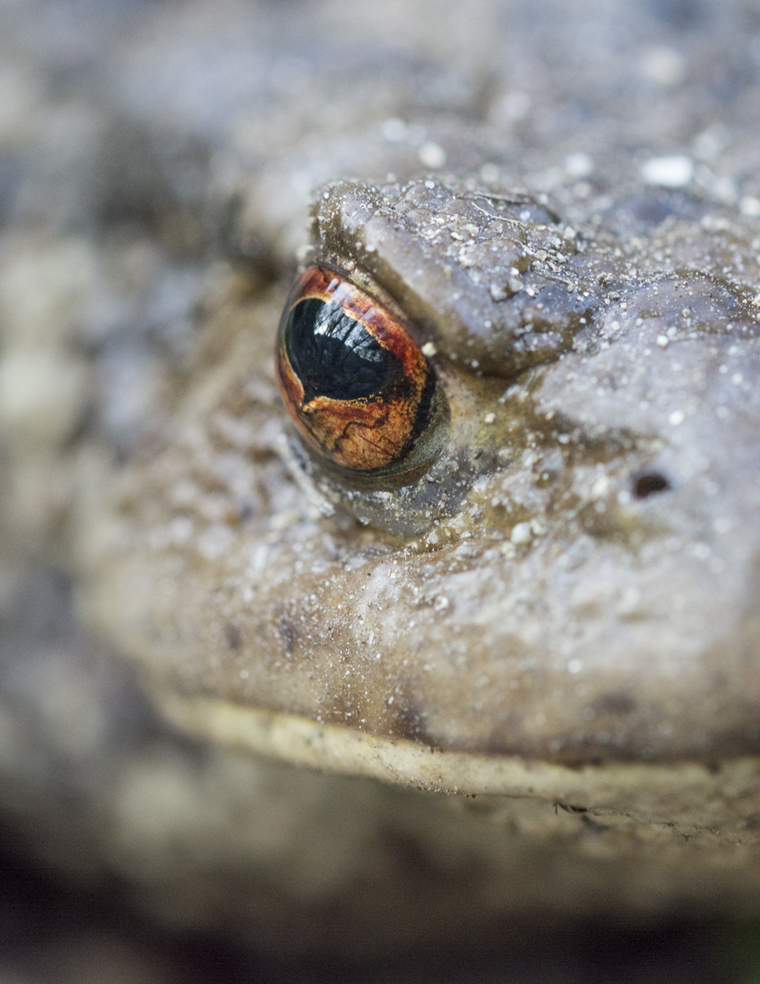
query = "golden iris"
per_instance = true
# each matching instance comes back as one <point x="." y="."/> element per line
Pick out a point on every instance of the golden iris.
<point x="356" y="384"/>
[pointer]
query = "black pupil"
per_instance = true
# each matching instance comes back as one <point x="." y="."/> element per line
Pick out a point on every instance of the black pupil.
<point x="333" y="354"/>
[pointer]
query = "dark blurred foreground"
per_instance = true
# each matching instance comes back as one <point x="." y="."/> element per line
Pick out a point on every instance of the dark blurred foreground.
<point x="52" y="934"/>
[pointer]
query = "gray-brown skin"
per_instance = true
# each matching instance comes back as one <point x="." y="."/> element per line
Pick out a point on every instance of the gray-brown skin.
<point x="562" y="609"/>
<point x="573" y="581"/>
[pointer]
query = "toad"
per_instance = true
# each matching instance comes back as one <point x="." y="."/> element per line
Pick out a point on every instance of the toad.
<point x="479" y="519"/>
<point x="545" y="587"/>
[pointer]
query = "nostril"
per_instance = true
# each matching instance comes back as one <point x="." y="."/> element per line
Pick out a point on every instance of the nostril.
<point x="649" y="483"/>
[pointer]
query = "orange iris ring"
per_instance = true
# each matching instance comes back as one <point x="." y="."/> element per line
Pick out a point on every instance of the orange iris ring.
<point x="368" y="433"/>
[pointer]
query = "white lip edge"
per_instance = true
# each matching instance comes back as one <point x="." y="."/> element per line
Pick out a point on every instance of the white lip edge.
<point x="684" y="795"/>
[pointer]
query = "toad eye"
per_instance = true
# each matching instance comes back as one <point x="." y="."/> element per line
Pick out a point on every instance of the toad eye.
<point x="356" y="384"/>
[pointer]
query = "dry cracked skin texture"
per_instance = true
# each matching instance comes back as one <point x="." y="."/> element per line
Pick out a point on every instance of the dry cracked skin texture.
<point x="563" y="200"/>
